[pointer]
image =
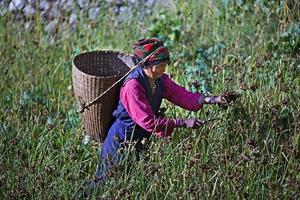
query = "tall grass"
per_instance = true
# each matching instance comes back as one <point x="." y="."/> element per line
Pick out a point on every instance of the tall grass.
<point x="253" y="153"/>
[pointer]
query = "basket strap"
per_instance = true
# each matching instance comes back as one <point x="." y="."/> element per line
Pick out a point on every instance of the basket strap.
<point x="83" y="105"/>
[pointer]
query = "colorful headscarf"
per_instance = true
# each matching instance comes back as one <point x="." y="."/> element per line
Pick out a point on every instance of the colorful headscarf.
<point x="144" y="47"/>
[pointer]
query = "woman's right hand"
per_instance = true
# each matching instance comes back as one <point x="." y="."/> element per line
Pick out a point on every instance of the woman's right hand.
<point x="226" y="98"/>
<point x="222" y="100"/>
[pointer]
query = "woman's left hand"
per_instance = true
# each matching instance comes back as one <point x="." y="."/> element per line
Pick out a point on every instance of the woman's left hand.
<point x="190" y="123"/>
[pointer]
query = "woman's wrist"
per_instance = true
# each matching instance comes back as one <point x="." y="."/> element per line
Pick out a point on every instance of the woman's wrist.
<point x="179" y="122"/>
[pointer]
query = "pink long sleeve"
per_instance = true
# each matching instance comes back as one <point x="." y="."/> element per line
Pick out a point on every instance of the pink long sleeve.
<point x="180" y="96"/>
<point x="133" y="97"/>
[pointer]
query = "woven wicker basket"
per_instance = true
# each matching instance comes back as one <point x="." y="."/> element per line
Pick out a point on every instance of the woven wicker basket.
<point x="93" y="73"/>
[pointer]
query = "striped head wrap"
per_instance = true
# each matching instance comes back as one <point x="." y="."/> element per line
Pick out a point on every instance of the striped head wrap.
<point x="144" y="47"/>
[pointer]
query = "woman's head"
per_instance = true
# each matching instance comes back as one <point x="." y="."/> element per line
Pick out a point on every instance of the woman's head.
<point x="153" y="47"/>
<point x="155" y="71"/>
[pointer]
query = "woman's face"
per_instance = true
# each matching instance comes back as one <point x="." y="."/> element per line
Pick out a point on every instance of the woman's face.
<point x="156" y="71"/>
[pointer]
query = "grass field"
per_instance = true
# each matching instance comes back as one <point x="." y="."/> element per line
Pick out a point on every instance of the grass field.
<point x="254" y="153"/>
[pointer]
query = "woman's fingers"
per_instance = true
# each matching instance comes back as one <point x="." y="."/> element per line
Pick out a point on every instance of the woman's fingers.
<point x="199" y="122"/>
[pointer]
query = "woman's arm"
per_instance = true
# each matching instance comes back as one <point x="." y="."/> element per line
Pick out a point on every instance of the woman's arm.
<point x="134" y="99"/>
<point x="180" y="96"/>
<point x="188" y="100"/>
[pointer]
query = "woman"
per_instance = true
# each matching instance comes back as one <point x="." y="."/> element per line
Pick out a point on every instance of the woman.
<point x="141" y="95"/>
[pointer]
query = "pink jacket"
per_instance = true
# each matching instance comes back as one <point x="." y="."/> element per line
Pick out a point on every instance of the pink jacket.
<point x="133" y="97"/>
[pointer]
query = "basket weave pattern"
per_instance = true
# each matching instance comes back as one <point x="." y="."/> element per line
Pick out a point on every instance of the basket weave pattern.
<point x="93" y="73"/>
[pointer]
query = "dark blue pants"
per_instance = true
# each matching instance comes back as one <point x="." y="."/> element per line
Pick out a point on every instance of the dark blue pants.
<point x="112" y="151"/>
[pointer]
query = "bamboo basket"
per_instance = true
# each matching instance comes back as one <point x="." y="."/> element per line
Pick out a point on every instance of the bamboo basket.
<point x="93" y="73"/>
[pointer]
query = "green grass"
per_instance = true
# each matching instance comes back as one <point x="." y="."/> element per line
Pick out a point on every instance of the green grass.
<point x="253" y="153"/>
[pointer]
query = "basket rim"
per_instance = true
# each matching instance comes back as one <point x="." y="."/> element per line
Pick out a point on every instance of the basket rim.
<point x="99" y="51"/>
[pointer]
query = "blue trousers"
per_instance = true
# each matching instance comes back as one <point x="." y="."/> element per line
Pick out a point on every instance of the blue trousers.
<point x="117" y="140"/>
<point x="112" y="151"/>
